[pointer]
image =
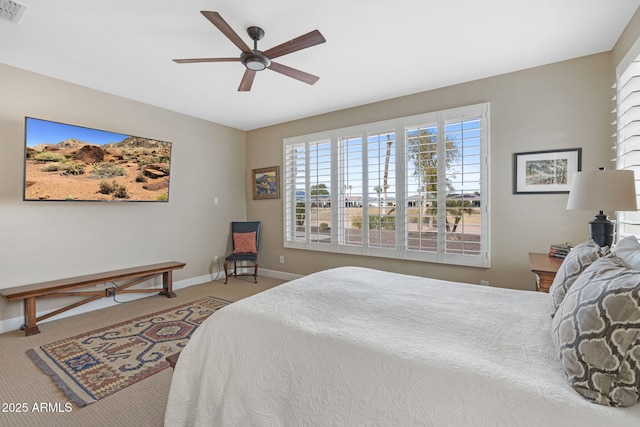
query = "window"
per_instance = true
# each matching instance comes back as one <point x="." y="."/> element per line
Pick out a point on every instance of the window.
<point x="413" y="188"/>
<point x="628" y="129"/>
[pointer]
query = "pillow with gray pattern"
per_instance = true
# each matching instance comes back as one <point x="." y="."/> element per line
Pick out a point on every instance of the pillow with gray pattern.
<point x="578" y="259"/>
<point x="596" y="332"/>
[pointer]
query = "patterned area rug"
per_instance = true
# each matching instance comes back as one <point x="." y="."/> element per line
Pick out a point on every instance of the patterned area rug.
<point x="96" y="364"/>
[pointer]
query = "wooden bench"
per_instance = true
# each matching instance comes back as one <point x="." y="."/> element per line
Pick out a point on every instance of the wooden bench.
<point x="65" y="288"/>
<point x="173" y="359"/>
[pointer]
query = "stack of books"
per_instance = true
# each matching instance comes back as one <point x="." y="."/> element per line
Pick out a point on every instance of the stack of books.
<point x="560" y="250"/>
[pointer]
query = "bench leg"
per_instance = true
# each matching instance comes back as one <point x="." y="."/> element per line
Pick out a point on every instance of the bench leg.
<point x="173" y="359"/>
<point x="167" y="284"/>
<point x="30" y="327"/>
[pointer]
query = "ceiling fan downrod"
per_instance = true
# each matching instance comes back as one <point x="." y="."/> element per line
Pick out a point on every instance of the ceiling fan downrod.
<point x="256" y="61"/>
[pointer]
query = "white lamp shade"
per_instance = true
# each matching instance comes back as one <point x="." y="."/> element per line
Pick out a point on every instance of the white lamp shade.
<point x="603" y="190"/>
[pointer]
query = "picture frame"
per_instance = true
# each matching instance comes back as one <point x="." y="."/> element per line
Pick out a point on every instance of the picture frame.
<point x="545" y="172"/>
<point x="266" y="183"/>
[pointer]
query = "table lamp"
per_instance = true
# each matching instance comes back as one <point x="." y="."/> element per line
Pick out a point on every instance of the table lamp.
<point x="603" y="190"/>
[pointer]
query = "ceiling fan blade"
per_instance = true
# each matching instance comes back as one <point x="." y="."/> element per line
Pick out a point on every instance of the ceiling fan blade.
<point x="307" y="40"/>
<point x="190" y="60"/>
<point x="226" y="29"/>
<point x="292" y="72"/>
<point x="247" y="80"/>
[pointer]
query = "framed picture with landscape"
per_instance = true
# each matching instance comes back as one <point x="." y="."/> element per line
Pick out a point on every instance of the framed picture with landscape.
<point x="266" y="183"/>
<point x="548" y="171"/>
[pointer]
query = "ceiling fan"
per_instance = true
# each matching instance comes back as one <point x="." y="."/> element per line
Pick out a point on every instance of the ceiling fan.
<point x="255" y="60"/>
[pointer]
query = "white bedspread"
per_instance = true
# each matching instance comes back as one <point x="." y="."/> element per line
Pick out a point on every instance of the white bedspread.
<point x="361" y="347"/>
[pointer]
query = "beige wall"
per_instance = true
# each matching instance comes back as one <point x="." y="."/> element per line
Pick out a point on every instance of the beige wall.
<point x="563" y="105"/>
<point x="47" y="240"/>
<point x="626" y="40"/>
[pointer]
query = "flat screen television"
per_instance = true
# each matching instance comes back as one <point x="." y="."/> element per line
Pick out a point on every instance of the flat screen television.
<point x="65" y="162"/>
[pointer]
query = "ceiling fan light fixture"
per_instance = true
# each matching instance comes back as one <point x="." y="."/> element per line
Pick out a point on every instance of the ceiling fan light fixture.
<point x="255" y="61"/>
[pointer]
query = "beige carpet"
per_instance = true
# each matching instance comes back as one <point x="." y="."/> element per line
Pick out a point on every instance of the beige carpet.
<point x="141" y="404"/>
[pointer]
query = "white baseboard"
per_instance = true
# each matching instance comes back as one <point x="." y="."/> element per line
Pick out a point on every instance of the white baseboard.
<point x="279" y="274"/>
<point x="16" y="322"/>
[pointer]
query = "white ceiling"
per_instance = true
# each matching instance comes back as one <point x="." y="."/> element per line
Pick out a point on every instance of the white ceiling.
<point x="375" y="49"/>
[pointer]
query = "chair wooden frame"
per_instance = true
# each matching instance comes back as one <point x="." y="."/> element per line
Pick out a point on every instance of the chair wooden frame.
<point x="243" y="227"/>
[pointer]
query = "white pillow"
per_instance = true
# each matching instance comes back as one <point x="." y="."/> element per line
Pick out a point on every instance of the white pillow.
<point x="628" y="249"/>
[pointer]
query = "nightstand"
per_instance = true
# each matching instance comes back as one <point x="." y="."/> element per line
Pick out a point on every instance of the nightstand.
<point x="545" y="268"/>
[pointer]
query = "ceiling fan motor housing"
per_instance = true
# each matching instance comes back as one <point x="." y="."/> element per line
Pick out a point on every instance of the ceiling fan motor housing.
<point x="255" y="61"/>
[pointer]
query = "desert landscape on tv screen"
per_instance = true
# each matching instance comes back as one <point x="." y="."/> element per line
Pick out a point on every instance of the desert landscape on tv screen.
<point x="67" y="162"/>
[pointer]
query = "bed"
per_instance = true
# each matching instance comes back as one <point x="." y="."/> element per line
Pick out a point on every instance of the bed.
<point x="360" y="347"/>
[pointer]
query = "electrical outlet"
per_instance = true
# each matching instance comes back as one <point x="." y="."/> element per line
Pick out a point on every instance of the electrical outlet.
<point x="281" y="259"/>
<point x="216" y="258"/>
<point x="484" y="282"/>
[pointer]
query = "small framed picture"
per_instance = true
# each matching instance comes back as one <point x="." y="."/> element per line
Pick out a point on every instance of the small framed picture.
<point x="548" y="171"/>
<point x="266" y="183"/>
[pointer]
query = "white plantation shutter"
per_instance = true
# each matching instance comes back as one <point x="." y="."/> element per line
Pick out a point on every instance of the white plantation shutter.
<point x="320" y="190"/>
<point x="413" y="188"/>
<point x="379" y="223"/>
<point x="627" y="134"/>
<point x="464" y="173"/>
<point x="422" y="182"/>
<point x="295" y="179"/>
<point x="351" y="184"/>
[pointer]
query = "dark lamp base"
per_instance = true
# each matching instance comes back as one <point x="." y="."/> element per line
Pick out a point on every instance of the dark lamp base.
<point x="602" y="230"/>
